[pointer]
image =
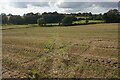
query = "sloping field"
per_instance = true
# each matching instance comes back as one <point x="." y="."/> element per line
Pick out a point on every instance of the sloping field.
<point x="62" y="52"/>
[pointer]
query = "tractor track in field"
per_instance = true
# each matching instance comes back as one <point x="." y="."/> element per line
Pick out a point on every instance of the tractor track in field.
<point x="23" y="63"/>
<point x="11" y="73"/>
<point x="90" y="47"/>
<point x="31" y="61"/>
<point x="87" y="52"/>
<point x="93" y="44"/>
<point x="86" y="55"/>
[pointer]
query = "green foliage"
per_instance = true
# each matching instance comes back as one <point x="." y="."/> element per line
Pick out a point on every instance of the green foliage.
<point x="68" y="20"/>
<point x="4" y="19"/>
<point x="49" y="46"/>
<point x="31" y="18"/>
<point x="86" y="21"/>
<point x="41" y="21"/>
<point x="53" y="44"/>
<point x="52" y="17"/>
<point x="16" y="19"/>
<point x="112" y="16"/>
<point x="33" y="75"/>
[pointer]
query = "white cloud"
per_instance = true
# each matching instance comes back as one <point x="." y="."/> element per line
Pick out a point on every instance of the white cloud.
<point x="68" y="6"/>
<point x="86" y="6"/>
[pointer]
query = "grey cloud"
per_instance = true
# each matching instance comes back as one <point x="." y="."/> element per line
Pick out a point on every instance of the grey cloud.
<point x="86" y="4"/>
<point x="72" y="4"/>
<point x="81" y="6"/>
<point x="19" y="4"/>
<point x="107" y="4"/>
<point x="25" y="4"/>
<point x="40" y="4"/>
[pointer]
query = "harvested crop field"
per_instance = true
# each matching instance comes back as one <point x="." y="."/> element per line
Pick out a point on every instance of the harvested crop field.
<point x="62" y="52"/>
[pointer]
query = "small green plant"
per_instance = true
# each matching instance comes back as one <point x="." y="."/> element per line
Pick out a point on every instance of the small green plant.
<point x="33" y="75"/>
<point x="53" y="44"/>
<point x="49" y="46"/>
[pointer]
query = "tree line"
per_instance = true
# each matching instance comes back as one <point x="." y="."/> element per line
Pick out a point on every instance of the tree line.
<point x="112" y="16"/>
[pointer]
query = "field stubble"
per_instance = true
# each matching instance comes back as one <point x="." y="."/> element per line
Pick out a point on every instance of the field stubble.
<point x="63" y="52"/>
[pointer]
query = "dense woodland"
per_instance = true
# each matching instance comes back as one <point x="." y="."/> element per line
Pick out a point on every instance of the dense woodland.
<point x="112" y="16"/>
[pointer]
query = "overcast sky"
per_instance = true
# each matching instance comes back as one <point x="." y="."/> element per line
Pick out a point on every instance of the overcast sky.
<point x="62" y="6"/>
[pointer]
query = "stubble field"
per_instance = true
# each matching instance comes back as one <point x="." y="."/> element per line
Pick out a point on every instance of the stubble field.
<point x="62" y="52"/>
